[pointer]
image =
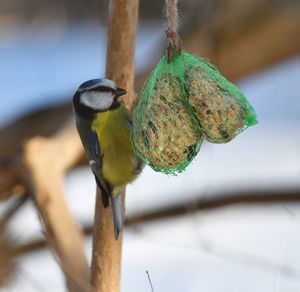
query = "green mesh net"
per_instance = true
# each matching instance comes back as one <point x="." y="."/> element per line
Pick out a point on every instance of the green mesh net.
<point x="181" y="102"/>
<point x="221" y="109"/>
<point x="164" y="134"/>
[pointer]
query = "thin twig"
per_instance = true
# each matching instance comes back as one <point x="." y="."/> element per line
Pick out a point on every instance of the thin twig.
<point x="149" y="279"/>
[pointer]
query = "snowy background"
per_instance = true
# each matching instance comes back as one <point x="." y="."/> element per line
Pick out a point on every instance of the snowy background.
<point x="231" y="249"/>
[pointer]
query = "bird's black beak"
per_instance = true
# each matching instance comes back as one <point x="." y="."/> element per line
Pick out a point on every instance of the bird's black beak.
<point x="119" y="91"/>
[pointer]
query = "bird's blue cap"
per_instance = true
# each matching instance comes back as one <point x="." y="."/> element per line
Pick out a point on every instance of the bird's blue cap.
<point x="89" y="84"/>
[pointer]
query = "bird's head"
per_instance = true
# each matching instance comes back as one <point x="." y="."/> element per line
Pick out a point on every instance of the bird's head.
<point x="97" y="95"/>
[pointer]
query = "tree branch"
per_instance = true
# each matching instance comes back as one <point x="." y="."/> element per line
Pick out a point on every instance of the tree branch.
<point x="106" y="257"/>
<point x="46" y="160"/>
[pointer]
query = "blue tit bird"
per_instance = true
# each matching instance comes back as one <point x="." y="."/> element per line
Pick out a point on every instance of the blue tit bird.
<point x="104" y="125"/>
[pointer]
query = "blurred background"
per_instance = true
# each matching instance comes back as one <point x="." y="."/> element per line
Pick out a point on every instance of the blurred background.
<point x="231" y="221"/>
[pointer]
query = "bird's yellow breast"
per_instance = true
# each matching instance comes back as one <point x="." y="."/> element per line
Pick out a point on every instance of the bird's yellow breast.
<point x="117" y="154"/>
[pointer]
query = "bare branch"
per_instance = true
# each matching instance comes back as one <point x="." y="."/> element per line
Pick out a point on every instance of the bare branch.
<point x="106" y="257"/>
<point x="46" y="160"/>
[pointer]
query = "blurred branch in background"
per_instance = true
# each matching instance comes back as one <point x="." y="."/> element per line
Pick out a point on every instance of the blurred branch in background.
<point x="222" y="200"/>
<point x="35" y="123"/>
<point x="12" y="209"/>
<point x="45" y="160"/>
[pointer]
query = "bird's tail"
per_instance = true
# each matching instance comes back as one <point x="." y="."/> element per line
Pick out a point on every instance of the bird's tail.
<point x="116" y="204"/>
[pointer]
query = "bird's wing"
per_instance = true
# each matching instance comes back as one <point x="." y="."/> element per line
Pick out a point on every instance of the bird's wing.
<point x="95" y="162"/>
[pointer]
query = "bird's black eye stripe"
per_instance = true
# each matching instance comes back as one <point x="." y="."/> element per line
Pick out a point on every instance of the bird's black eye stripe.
<point x="101" y="89"/>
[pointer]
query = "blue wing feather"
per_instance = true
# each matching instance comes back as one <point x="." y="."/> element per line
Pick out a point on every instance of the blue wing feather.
<point x="95" y="161"/>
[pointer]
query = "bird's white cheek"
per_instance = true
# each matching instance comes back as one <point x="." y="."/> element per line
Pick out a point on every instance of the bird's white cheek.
<point x="97" y="100"/>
